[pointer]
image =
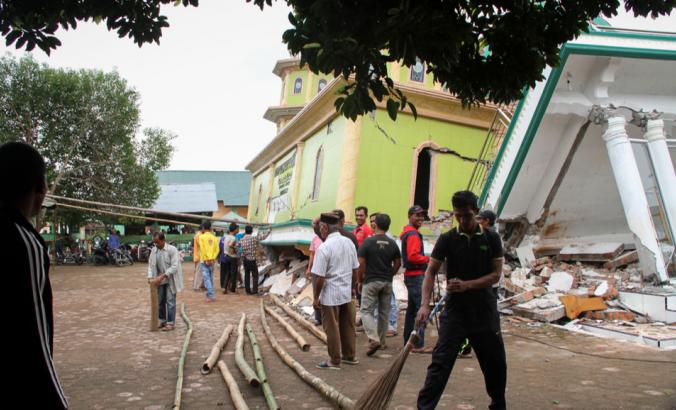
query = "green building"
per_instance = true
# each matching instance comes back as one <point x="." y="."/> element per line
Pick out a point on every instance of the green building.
<point x="320" y="160"/>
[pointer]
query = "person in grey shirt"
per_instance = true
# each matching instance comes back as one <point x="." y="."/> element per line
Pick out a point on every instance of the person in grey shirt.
<point x="165" y="272"/>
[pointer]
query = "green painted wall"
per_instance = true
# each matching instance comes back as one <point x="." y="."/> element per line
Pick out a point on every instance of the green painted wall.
<point x="284" y="214"/>
<point x="386" y="169"/>
<point x="332" y="145"/>
<point x="263" y="179"/>
<point x="296" y="99"/>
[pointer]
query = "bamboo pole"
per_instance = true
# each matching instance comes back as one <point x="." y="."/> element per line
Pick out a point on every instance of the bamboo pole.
<point x="260" y="369"/>
<point x="235" y="394"/>
<point x="300" y="319"/>
<point x="181" y="359"/>
<point x="154" y="308"/>
<point x="216" y="351"/>
<point x="318" y="384"/>
<point x="148" y="218"/>
<point x="244" y="367"/>
<point x="148" y="210"/>
<point x="304" y="346"/>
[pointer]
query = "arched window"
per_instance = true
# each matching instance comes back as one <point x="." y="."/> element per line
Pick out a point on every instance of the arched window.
<point x="298" y="85"/>
<point x="318" y="173"/>
<point x="418" y="71"/>
<point x="422" y="179"/>
<point x="258" y="201"/>
<point x="321" y="85"/>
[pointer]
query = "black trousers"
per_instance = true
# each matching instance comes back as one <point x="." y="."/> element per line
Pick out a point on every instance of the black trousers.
<point x="229" y="274"/>
<point x="483" y="330"/>
<point x="250" y="272"/>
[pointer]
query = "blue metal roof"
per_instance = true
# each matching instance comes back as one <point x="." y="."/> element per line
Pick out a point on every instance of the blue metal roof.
<point x="232" y="187"/>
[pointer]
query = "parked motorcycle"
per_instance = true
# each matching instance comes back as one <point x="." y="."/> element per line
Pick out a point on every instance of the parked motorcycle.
<point x="67" y="256"/>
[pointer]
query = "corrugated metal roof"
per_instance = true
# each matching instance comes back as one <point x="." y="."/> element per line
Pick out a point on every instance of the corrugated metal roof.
<point x="187" y="198"/>
<point x="232" y="187"/>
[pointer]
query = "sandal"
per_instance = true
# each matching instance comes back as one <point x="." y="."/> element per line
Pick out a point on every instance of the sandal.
<point x="325" y="365"/>
<point x="168" y="328"/>
<point x="423" y="350"/>
<point x="353" y="361"/>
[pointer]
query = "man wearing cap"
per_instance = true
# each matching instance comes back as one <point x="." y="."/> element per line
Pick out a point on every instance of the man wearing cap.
<point x="415" y="263"/>
<point x="229" y="259"/>
<point x="335" y="267"/>
<point x="341" y="228"/>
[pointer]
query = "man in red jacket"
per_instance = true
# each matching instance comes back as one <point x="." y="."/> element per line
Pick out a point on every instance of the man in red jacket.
<point x="415" y="263"/>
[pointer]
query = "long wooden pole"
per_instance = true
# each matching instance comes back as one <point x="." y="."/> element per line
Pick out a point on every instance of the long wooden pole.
<point x="243" y="366"/>
<point x="154" y="308"/>
<point x="216" y="350"/>
<point x="300" y="319"/>
<point x="235" y="394"/>
<point x="304" y="346"/>
<point x="181" y="359"/>
<point x="260" y="369"/>
<point x="318" y="384"/>
<point x="148" y="218"/>
<point x="148" y="210"/>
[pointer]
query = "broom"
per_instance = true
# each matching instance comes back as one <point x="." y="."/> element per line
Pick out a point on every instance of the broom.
<point x="379" y="393"/>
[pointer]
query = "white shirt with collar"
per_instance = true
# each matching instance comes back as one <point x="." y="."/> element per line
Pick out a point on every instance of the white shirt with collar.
<point x="172" y="264"/>
<point x="334" y="261"/>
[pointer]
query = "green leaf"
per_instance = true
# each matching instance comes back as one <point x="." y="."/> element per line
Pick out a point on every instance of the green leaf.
<point x="392" y="108"/>
<point x="309" y="46"/>
<point x="414" y="111"/>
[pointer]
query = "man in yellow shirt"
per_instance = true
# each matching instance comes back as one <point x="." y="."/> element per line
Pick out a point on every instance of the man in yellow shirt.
<point x="208" y="251"/>
<point x="197" y="282"/>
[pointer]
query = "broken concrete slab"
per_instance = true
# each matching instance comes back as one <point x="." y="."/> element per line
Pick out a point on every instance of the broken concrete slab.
<point x="297" y="287"/>
<point x="575" y="305"/>
<point x="560" y="282"/>
<point x="622" y="260"/>
<point x="525" y="255"/>
<point x="282" y="284"/>
<point x="660" y="337"/>
<point x="659" y="304"/>
<point x="304" y="298"/>
<point x="521" y="298"/>
<point x="595" y="252"/>
<point x="271" y="280"/>
<point x="548" y="315"/>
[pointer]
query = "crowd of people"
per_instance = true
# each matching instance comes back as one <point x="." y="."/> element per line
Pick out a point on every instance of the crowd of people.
<point x="344" y="266"/>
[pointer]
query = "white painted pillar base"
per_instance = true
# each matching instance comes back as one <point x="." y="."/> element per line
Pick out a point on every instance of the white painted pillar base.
<point x="664" y="170"/>
<point x="634" y="201"/>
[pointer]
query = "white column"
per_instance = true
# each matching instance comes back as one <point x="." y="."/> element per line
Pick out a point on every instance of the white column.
<point x="634" y="201"/>
<point x="664" y="170"/>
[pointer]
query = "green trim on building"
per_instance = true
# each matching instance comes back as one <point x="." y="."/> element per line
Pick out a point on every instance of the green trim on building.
<point x="503" y="147"/>
<point x="552" y="81"/>
<point x="634" y="35"/>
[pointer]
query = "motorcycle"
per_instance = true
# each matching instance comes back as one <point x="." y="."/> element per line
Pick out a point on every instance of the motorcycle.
<point x="67" y="256"/>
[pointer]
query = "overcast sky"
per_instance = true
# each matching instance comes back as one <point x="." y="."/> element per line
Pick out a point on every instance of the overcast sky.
<point x="210" y="80"/>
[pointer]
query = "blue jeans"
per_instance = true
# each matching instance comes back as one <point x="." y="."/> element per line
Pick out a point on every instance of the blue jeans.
<point x="414" y="287"/>
<point x="206" y="276"/>
<point x="167" y="302"/>
<point x="394" y="313"/>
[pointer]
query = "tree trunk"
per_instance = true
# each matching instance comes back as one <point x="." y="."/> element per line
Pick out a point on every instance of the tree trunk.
<point x="216" y="350"/>
<point x="235" y="394"/>
<point x="304" y="346"/>
<point x="300" y="319"/>
<point x="243" y="366"/>
<point x="181" y="359"/>
<point x="260" y="369"/>
<point x="329" y="392"/>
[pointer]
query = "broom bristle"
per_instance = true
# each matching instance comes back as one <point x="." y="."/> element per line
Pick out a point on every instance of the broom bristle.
<point x="378" y="394"/>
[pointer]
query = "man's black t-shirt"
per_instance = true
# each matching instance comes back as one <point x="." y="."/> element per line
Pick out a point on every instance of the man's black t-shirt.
<point x="379" y="251"/>
<point x="468" y="257"/>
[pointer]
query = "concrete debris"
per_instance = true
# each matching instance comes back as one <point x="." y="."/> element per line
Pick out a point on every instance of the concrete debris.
<point x="282" y="284"/>
<point x="622" y="260"/>
<point x="594" y="252"/>
<point x="560" y="282"/>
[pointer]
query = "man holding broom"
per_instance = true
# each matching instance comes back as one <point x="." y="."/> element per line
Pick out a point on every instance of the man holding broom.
<point x="473" y="257"/>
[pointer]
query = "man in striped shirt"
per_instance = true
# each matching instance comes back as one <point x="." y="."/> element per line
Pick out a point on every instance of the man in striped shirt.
<point x="31" y="319"/>
<point x="335" y="267"/>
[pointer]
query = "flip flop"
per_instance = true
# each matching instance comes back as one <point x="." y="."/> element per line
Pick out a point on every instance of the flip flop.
<point x="168" y="328"/>
<point x="325" y="365"/>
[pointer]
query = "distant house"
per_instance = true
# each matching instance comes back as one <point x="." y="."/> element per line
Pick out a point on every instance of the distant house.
<point x="223" y="193"/>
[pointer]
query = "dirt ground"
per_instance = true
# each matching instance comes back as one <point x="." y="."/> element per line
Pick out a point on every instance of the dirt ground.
<point x="106" y="358"/>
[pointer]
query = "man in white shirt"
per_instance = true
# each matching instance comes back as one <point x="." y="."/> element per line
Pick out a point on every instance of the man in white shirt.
<point x="335" y="267"/>
<point x="165" y="272"/>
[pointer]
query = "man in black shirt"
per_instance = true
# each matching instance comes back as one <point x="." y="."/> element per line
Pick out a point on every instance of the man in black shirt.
<point x="379" y="260"/>
<point x="473" y="259"/>
<point x="31" y="345"/>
